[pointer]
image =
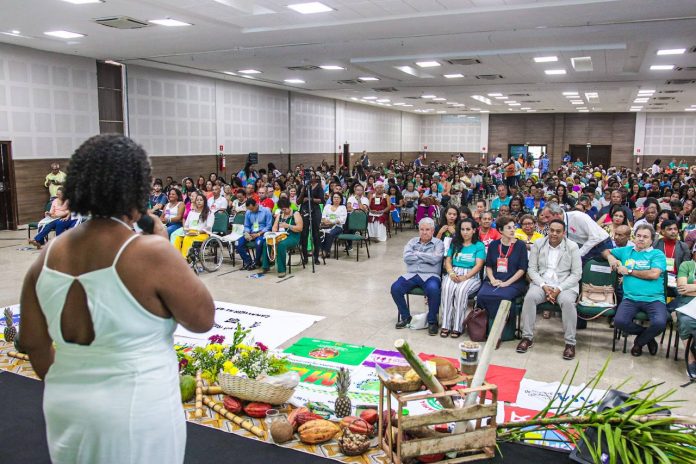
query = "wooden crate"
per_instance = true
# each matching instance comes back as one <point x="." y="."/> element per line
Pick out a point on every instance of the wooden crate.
<point x="475" y="444"/>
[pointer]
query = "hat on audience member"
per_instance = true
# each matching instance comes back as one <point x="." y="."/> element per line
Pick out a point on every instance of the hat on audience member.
<point x="436" y="174"/>
<point x="379" y="183"/>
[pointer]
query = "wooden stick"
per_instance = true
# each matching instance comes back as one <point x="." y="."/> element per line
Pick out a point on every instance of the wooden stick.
<point x="426" y="376"/>
<point x="18" y="355"/>
<point x="243" y="423"/>
<point x="485" y="361"/>
<point x="212" y="390"/>
<point x="199" y="396"/>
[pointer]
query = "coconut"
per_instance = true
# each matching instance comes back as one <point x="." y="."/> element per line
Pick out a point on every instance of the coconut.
<point x="281" y="431"/>
<point x="445" y="369"/>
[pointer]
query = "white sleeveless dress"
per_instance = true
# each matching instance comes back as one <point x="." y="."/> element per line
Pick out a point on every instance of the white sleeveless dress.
<point x="116" y="400"/>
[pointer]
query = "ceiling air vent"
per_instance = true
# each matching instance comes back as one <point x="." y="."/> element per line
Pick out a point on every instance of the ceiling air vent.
<point x="692" y="49"/>
<point x="308" y="67"/>
<point x="670" y="91"/>
<point x="122" y="22"/>
<point x="518" y="95"/>
<point x="434" y="103"/>
<point x="348" y="82"/>
<point x="657" y="104"/>
<point x="413" y="98"/>
<point x="529" y="101"/>
<point x="664" y="98"/>
<point x="489" y="77"/>
<point x="386" y="89"/>
<point x="464" y="61"/>
<point x="680" y="82"/>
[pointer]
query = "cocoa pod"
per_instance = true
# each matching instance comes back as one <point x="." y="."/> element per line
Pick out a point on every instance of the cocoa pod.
<point x="317" y="431"/>
<point x="257" y="410"/>
<point x="232" y="404"/>
<point x="370" y="416"/>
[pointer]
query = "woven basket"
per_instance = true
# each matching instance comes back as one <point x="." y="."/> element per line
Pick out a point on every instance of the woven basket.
<point x="253" y="390"/>
<point x="404" y="385"/>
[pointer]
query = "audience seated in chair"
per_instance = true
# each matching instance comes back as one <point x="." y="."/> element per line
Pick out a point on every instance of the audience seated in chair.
<point x="423" y="258"/>
<point x="257" y="221"/>
<point x="555" y="269"/>
<point x="379" y="213"/>
<point x="290" y="222"/>
<point x="197" y="227"/>
<point x="333" y="219"/>
<point x="642" y="268"/>
<point x="465" y="258"/>
<point x="506" y="265"/>
<point x="217" y="202"/>
<point x="686" y="286"/>
<point x="173" y="212"/>
<point x="58" y="215"/>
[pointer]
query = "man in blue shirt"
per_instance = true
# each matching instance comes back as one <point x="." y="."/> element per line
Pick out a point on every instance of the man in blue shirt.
<point x="423" y="257"/>
<point x="501" y="199"/>
<point x="257" y="221"/>
<point x="544" y="164"/>
<point x="642" y="268"/>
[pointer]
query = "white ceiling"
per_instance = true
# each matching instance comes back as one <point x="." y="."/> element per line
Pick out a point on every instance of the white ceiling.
<point x="373" y="37"/>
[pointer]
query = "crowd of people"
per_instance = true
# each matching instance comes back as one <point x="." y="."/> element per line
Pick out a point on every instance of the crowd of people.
<point x="498" y="231"/>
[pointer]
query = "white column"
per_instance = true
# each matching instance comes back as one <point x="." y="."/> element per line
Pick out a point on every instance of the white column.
<point x="483" y="146"/>
<point x="639" y="140"/>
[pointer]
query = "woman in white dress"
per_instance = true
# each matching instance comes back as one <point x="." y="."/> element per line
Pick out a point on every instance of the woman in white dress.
<point x="379" y="211"/>
<point x="103" y="296"/>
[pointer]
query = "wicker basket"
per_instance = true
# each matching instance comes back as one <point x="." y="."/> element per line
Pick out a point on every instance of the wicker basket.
<point x="352" y="452"/>
<point x="403" y="385"/>
<point x="253" y="390"/>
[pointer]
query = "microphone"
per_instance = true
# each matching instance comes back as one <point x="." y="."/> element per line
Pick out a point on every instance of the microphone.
<point x="146" y="224"/>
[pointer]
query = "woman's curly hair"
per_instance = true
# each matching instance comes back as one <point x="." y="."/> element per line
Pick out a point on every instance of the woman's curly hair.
<point x="108" y="175"/>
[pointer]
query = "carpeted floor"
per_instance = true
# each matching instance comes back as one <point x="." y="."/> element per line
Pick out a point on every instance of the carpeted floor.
<point x="23" y="437"/>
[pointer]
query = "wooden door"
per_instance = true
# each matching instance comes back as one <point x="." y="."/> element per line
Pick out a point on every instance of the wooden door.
<point x="8" y="201"/>
<point x="599" y="154"/>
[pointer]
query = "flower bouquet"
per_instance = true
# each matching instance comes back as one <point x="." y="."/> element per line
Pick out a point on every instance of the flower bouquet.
<point x="248" y="372"/>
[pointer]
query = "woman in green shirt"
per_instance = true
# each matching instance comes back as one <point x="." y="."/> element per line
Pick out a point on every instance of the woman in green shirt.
<point x="687" y="291"/>
<point x="464" y="261"/>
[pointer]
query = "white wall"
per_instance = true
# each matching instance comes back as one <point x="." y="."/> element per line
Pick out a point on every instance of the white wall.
<point x="670" y="134"/>
<point x="410" y="132"/>
<point x="171" y="113"/>
<point x="313" y="124"/>
<point x="372" y="129"/>
<point x="451" y="133"/>
<point x="48" y="102"/>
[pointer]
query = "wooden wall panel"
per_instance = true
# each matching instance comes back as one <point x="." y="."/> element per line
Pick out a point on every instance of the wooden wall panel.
<point x="31" y="193"/>
<point x="559" y="131"/>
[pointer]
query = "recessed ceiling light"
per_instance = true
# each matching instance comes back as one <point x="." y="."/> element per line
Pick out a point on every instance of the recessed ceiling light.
<point x="83" y="2"/>
<point x="369" y="98"/>
<point x="646" y="92"/>
<point x="367" y="78"/>
<point x="583" y="111"/>
<point x="354" y="98"/>
<point x="641" y="100"/>
<point x="510" y="101"/>
<point x="568" y="94"/>
<point x="14" y="31"/>
<point x="428" y="96"/>
<point x="249" y="71"/>
<point x="441" y="112"/>
<point x="589" y="95"/>
<point x="64" y="34"/>
<point x="248" y="77"/>
<point x="577" y="102"/>
<point x="689" y="109"/>
<point x="230" y="73"/>
<point x="514" y="104"/>
<point x="484" y="111"/>
<point x="310" y="8"/>
<point x="384" y="100"/>
<point x="554" y="72"/>
<point x="439" y="99"/>
<point x="400" y="104"/>
<point x="169" y="22"/>
<point x="635" y="109"/>
<point x="427" y="64"/>
<point x="407" y="106"/>
<point x="331" y="67"/>
<point x="502" y="97"/>
<point x="482" y="99"/>
<point x="454" y="76"/>
<point x="294" y="81"/>
<point x="662" y="67"/>
<point x="545" y="59"/>
<point x="525" y="108"/>
<point x="495" y="94"/>
<point x="671" y="51"/>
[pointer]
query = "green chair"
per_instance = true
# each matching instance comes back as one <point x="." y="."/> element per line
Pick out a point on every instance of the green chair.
<point x="220" y="225"/>
<point x="238" y="219"/>
<point x="357" y="227"/>
<point x="35" y="225"/>
<point x="597" y="272"/>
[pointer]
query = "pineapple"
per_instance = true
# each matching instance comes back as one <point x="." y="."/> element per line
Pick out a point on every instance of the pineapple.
<point x="10" y="330"/>
<point x="342" y="407"/>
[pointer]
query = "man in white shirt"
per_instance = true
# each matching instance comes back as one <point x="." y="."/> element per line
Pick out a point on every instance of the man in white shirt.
<point x="358" y="200"/>
<point x="581" y="229"/>
<point x="217" y="202"/>
<point x="498" y="160"/>
<point x="555" y="269"/>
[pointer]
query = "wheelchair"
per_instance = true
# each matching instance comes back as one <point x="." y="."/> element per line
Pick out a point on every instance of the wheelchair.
<point x="207" y="254"/>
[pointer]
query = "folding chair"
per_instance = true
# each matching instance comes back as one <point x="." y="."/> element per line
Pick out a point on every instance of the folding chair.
<point x="357" y="227"/>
